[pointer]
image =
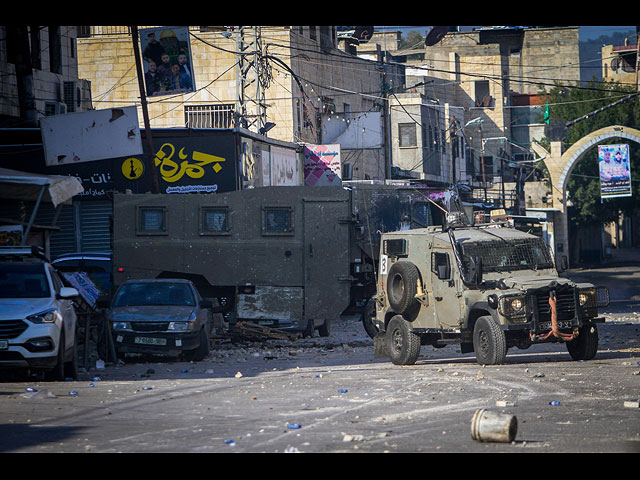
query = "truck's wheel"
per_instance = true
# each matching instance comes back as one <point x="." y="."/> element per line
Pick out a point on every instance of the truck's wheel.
<point x="489" y="342"/>
<point x="368" y="316"/>
<point x="402" y="286"/>
<point x="403" y="346"/>
<point x="325" y="329"/>
<point x="585" y="345"/>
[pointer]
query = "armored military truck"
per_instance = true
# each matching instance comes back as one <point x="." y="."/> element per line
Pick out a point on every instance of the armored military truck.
<point x="487" y="288"/>
<point x="293" y="257"/>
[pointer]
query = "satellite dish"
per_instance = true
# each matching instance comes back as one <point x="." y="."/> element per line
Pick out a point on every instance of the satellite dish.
<point x="435" y="35"/>
<point x="363" y="34"/>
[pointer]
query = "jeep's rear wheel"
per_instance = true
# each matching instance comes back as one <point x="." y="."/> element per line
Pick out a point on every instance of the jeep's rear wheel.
<point x="585" y="345"/>
<point x="402" y="286"/>
<point x="403" y="346"/>
<point x="489" y="342"/>
<point x="368" y="316"/>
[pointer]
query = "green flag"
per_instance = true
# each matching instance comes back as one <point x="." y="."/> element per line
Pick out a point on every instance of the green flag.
<point x="547" y="116"/>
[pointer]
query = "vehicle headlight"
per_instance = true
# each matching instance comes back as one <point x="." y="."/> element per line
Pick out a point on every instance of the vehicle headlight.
<point x="48" y="316"/>
<point x="179" y="326"/>
<point x="512" y="306"/>
<point x="584" y="296"/>
<point x="593" y="297"/>
<point x="120" y="326"/>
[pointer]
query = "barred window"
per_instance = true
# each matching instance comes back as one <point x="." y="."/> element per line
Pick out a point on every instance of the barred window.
<point x="407" y="134"/>
<point x="277" y="220"/>
<point x="152" y="220"/>
<point x="209" y="116"/>
<point x="215" y="220"/>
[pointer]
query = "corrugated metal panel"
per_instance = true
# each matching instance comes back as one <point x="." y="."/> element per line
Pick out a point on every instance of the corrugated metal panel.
<point x="95" y="225"/>
<point x="64" y="240"/>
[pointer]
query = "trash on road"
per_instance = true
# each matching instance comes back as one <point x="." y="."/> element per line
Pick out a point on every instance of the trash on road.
<point x="489" y="426"/>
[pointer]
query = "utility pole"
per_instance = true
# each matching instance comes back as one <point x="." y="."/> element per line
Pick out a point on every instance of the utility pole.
<point x="251" y="79"/>
<point x="145" y="112"/>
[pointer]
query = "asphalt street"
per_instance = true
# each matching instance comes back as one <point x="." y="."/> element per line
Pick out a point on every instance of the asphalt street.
<point x="323" y="395"/>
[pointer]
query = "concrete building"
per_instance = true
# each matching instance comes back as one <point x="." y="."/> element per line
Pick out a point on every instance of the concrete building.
<point x="39" y="74"/>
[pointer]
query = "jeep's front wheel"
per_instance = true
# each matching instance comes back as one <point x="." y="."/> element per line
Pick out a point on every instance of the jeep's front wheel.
<point x="489" y="342"/>
<point x="403" y="346"/>
<point x="585" y="345"/>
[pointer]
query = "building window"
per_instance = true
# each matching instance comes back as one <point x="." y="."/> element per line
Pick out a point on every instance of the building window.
<point x="407" y="134"/>
<point x="277" y="221"/>
<point x="483" y="96"/>
<point x="152" y="220"/>
<point x="214" y="220"/>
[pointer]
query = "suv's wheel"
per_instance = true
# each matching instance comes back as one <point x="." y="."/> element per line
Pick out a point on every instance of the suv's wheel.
<point x="402" y="286"/>
<point x="57" y="374"/>
<point x="489" y="342"/>
<point x="403" y="346"/>
<point x="585" y="345"/>
<point x="71" y="367"/>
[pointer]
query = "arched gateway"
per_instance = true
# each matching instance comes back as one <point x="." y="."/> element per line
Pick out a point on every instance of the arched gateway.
<point x="560" y="164"/>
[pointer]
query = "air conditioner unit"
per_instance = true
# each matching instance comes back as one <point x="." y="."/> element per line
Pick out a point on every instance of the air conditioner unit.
<point x="55" y="108"/>
<point x="70" y="95"/>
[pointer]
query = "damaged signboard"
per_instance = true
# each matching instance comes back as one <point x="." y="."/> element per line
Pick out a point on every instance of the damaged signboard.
<point x="88" y="136"/>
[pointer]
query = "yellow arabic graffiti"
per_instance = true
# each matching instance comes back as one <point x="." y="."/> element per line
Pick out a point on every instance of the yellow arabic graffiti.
<point x="171" y="171"/>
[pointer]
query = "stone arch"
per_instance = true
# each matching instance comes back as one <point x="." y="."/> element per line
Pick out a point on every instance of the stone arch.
<point x="560" y="164"/>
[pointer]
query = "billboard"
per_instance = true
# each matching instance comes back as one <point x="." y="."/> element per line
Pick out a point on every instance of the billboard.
<point x="166" y="56"/>
<point x="322" y="166"/>
<point x="615" y="171"/>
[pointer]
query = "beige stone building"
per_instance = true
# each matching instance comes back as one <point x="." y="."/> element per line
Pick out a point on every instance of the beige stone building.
<point x="500" y="73"/>
<point x="308" y="81"/>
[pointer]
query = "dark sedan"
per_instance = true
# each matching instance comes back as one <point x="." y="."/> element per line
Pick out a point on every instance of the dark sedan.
<point x="160" y="317"/>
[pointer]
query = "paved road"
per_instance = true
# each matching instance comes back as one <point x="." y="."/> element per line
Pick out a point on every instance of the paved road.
<point x="250" y="398"/>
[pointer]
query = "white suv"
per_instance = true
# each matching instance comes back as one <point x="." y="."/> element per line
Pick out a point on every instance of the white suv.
<point x="37" y="316"/>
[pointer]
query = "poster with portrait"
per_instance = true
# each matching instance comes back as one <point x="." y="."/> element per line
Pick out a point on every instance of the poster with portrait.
<point x="615" y="171"/>
<point x="166" y="59"/>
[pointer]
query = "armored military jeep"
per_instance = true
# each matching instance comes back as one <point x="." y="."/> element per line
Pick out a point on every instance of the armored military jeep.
<point x="487" y="288"/>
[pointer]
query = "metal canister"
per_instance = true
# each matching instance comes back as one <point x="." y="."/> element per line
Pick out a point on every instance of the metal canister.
<point x="489" y="426"/>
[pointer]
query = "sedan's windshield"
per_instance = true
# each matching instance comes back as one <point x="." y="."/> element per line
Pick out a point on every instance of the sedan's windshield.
<point x="514" y="254"/>
<point x="154" y="293"/>
<point x="23" y="280"/>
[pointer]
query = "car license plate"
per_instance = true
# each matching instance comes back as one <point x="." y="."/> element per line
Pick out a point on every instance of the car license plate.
<point x="4" y="344"/>
<point x="150" y="341"/>
<point x="563" y="324"/>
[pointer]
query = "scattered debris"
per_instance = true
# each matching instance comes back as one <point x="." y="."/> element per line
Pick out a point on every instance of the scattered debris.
<point x="489" y="426"/>
<point x="250" y="330"/>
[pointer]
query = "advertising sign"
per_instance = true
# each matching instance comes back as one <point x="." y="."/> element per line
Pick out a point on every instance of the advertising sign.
<point x="322" y="166"/>
<point x="166" y="56"/>
<point x="615" y="171"/>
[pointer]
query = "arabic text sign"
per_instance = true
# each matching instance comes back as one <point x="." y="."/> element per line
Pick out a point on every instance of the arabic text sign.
<point x="322" y="166"/>
<point x="615" y="171"/>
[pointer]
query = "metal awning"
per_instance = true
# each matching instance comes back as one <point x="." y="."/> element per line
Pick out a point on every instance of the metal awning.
<point x="55" y="189"/>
